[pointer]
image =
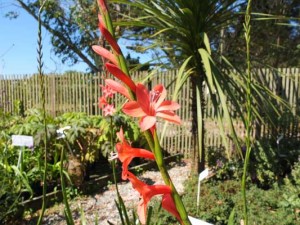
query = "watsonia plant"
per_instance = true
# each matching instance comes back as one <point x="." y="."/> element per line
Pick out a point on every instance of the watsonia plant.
<point x="248" y="121"/>
<point x="46" y="151"/>
<point x="146" y="105"/>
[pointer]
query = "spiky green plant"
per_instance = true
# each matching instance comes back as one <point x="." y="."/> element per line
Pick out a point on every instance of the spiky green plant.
<point x="181" y="30"/>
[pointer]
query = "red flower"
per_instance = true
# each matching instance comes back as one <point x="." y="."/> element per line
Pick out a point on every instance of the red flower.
<point x="102" y="102"/>
<point x="115" y="70"/>
<point x="108" y="36"/>
<point x="146" y="192"/>
<point x="103" y="6"/>
<point x="169" y="205"/>
<point x="105" y="54"/>
<point x="150" y="105"/>
<point x="126" y="153"/>
<point x="117" y="87"/>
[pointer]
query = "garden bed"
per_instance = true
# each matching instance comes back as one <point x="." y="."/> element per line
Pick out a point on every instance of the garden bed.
<point x="95" y="183"/>
<point x="100" y="204"/>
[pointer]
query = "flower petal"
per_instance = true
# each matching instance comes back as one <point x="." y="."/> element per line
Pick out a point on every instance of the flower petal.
<point x="143" y="98"/>
<point x="116" y="86"/>
<point x="142" y="211"/>
<point x="105" y="53"/>
<point x="147" y="122"/>
<point x="114" y="70"/>
<point x="146" y="192"/>
<point x="103" y="6"/>
<point x="109" y="110"/>
<point x="160" y="89"/>
<point x="120" y="135"/>
<point x="169" y="116"/>
<point x="107" y="35"/>
<point x="133" y="109"/>
<point x="125" y="165"/>
<point x="169" y="205"/>
<point x="102" y="102"/>
<point x="168" y="105"/>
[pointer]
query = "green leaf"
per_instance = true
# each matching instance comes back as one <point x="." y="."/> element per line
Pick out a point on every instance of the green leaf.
<point x="206" y="42"/>
<point x="207" y="67"/>
<point x="23" y="179"/>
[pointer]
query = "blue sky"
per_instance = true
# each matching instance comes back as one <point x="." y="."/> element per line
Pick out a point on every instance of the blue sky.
<point x="18" y="44"/>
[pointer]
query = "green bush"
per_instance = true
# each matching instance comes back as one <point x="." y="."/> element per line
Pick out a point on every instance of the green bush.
<point x="219" y="198"/>
<point x="88" y="139"/>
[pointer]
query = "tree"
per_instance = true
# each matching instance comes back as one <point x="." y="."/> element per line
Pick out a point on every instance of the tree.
<point x="275" y="21"/>
<point x="74" y="28"/>
<point x="180" y="28"/>
<point x="73" y="25"/>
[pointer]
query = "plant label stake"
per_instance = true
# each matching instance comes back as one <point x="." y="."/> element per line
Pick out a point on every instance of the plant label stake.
<point x="195" y="221"/>
<point x="202" y="176"/>
<point x="22" y="141"/>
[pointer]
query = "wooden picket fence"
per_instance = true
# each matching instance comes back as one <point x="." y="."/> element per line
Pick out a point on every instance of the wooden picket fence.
<point x="78" y="92"/>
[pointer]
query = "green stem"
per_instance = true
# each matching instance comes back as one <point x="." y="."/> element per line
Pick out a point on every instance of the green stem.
<point x="113" y="164"/>
<point x="167" y="179"/>
<point x="42" y="99"/>
<point x="248" y="110"/>
<point x="63" y="188"/>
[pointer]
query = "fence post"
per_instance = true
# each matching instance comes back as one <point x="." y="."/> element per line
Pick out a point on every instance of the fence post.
<point x="53" y="95"/>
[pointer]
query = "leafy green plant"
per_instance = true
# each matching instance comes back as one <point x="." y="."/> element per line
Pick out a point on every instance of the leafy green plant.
<point x="219" y="198"/>
<point x="132" y="132"/>
<point x="270" y="163"/>
<point x="291" y="196"/>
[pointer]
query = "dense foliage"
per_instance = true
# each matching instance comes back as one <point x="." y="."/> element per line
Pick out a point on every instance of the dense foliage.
<point x="87" y="141"/>
<point x="272" y="195"/>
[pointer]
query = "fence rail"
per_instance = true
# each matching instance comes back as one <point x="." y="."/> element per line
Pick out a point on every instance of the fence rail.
<point x="80" y="92"/>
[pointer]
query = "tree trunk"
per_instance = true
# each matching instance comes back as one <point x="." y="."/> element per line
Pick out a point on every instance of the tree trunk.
<point x="198" y="154"/>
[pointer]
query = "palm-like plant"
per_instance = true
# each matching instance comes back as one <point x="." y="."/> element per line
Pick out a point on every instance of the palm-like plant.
<point x="180" y="28"/>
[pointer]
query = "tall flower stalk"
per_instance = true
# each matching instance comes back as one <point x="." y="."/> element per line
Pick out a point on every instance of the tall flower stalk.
<point x="248" y="123"/>
<point x="146" y="105"/>
<point x="42" y="99"/>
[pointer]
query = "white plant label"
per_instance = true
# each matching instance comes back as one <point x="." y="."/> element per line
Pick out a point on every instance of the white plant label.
<point x="22" y="140"/>
<point x="203" y="174"/>
<point x="196" y="221"/>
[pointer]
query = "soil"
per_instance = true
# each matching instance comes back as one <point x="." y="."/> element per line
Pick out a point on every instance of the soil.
<point x="101" y="206"/>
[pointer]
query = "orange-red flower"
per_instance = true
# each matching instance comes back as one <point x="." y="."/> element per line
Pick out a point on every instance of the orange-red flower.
<point x="169" y="205"/>
<point x="102" y="102"/>
<point x="108" y="36"/>
<point x="126" y="153"/>
<point x="150" y="105"/>
<point x="117" y="87"/>
<point x="105" y="54"/>
<point x="147" y="192"/>
<point x="103" y="6"/>
<point x="118" y="73"/>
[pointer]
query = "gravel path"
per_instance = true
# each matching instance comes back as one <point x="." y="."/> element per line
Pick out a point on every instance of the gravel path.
<point x="101" y="205"/>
